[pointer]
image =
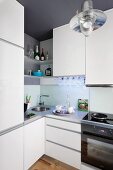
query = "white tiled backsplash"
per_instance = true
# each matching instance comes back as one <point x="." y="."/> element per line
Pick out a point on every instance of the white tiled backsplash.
<point x="58" y="94"/>
<point x="34" y="92"/>
<point x="101" y="100"/>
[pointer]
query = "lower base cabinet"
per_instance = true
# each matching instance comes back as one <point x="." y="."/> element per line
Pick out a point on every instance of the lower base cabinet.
<point x="11" y="150"/>
<point x="63" y="141"/>
<point x="66" y="155"/>
<point x="34" y="142"/>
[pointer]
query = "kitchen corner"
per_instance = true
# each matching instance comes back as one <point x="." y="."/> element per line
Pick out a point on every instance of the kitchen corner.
<point x="56" y="85"/>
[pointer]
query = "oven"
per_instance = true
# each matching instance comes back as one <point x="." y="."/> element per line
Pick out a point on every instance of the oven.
<point x="97" y="146"/>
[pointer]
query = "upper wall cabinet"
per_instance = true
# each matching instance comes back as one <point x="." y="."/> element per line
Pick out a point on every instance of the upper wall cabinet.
<point x="12" y="22"/>
<point x="99" y="54"/>
<point x="68" y="52"/>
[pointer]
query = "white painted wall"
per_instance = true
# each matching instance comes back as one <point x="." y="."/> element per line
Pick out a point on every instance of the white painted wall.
<point x="34" y="92"/>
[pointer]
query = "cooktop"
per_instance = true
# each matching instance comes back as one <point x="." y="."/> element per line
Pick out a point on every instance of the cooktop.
<point x="99" y="118"/>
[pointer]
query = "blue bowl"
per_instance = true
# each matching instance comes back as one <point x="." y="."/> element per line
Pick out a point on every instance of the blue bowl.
<point x="37" y="73"/>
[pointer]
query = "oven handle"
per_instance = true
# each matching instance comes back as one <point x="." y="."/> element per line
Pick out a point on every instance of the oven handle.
<point x="97" y="137"/>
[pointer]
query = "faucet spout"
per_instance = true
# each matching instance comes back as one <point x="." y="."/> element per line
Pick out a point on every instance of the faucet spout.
<point x="40" y="101"/>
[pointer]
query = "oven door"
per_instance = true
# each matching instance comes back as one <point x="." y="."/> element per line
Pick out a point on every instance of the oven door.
<point x="97" y="151"/>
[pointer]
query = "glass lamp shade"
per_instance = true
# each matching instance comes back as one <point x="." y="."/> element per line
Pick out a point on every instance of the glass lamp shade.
<point x="88" y="20"/>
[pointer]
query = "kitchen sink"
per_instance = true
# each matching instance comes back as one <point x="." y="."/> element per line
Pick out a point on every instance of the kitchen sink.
<point x="30" y="115"/>
<point x="41" y="109"/>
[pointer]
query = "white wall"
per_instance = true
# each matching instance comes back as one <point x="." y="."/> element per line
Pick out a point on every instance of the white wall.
<point x="34" y="92"/>
<point x="101" y="100"/>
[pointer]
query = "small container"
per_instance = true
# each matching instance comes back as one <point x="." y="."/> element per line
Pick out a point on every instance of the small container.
<point x="37" y="73"/>
<point x="48" y="71"/>
<point x="26" y="106"/>
<point x="83" y="105"/>
<point x="29" y="72"/>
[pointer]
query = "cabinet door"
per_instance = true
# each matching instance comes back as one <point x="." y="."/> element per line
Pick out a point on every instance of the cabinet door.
<point x="99" y="54"/>
<point x="34" y="142"/>
<point x="66" y="155"/>
<point x="11" y="85"/>
<point x="68" y="52"/>
<point x="11" y="150"/>
<point x="12" y="22"/>
<point x="70" y="139"/>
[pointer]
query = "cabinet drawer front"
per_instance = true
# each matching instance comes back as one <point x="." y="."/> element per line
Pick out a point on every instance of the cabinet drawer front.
<point x="63" y="154"/>
<point x="63" y="124"/>
<point x="64" y="137"/>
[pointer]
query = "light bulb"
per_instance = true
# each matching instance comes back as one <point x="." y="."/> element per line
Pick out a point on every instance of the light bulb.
<point x="86" y="28"/>
<point x="87" y="23"/>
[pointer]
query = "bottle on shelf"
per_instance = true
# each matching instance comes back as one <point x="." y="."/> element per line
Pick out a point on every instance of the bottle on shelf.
<point x="48" y="71"/>
<point x="47" y="56"/>
<point x="42" y="56"/>
<point x="36" y="53"/>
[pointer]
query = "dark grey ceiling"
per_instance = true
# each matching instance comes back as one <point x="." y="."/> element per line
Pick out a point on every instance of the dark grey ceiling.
<point x="41" y="16"/>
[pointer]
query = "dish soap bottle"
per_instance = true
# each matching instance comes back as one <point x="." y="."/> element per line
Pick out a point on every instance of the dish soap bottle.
<point x="48" y="71"/>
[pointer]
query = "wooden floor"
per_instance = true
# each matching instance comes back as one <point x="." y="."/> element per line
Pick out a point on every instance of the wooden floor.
<point x="48" y="163"/>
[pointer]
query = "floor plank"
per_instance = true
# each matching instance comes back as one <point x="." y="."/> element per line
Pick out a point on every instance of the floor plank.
<point x="48" y="163"/>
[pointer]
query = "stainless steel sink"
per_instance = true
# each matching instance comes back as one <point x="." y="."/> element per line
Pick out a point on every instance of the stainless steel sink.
<point x="41" y="109"/>
<point x="30" y="115"/>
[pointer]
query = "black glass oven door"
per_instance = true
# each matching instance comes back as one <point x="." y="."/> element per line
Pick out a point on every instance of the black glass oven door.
<point x="97" y="151"/>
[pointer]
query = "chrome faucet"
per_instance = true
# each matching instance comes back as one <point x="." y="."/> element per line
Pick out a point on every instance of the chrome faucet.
<point x="40" y="101"/>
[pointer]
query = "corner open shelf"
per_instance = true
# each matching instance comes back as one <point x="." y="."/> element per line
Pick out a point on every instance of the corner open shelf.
<point x="50" y="61"/>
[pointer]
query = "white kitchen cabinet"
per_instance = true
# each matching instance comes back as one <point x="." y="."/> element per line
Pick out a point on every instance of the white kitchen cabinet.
<point x="11" y="150"/>
<point x="99" y="54"/>
<point x="11" y="65"/>
<point x="11" y="85"/>
<point x="63" y="141"/>
<point x="64" y="137"/>
<point x="76" y="127"/>
<point x="12" y="22"/>
<point x="63" y="154"/>
<point x="68" y="52"/>
<point x="34" y="142"/>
